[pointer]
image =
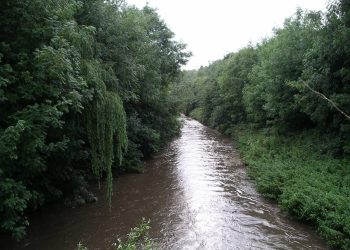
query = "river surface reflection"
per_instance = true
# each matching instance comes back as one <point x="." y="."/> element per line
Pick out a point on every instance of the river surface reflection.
<point x="197" y="195"/>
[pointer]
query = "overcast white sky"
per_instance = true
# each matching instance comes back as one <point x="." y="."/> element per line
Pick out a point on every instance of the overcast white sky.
<point x="214" y="28"/>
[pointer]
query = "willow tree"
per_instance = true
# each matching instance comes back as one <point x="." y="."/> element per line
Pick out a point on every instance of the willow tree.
<point x="106" y="122"/>
<point x="107" y="134"/>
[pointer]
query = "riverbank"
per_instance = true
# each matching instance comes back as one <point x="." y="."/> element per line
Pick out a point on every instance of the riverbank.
<point x="300" y="172"/>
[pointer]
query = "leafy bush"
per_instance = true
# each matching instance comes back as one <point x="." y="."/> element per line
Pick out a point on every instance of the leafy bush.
<point x="137" y="238"/>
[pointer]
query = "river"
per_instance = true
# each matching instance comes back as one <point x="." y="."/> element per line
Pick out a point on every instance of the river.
<point x="196" y="194"/>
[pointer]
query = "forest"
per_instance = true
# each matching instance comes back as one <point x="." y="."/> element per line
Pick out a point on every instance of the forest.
<point x="84" y="92"/>
<point x="286" y="103"/>
<point x="90" y="89"/>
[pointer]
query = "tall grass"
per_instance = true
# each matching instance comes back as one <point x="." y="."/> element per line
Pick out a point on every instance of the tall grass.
<point x="304" y="175"/>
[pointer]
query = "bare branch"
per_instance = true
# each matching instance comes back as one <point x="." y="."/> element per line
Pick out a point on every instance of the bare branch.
<point x="322" y="96"/>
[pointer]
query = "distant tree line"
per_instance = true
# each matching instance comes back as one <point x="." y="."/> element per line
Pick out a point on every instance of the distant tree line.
<point x="83" y="90"/>
<point x="297" y="79"/>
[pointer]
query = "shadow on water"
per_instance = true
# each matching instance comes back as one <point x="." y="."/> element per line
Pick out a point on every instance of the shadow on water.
<point x="197" y="195"/>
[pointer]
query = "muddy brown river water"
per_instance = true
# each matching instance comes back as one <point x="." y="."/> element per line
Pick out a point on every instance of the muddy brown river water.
<point x="196" y="194"/>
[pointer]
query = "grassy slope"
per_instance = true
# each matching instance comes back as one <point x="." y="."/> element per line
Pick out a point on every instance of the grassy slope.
<point x="301" y="174"/>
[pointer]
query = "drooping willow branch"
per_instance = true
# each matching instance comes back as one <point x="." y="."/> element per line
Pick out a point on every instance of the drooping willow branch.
<point x="322" y="96"/>
<point x="106" y="129"/>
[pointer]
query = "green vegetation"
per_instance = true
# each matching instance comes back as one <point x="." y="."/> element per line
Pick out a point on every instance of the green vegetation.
<point x="138" y="238"/>
<point x="287" y="101"/>
<point x="83" y="91"/>
<point x="303" y="177"/>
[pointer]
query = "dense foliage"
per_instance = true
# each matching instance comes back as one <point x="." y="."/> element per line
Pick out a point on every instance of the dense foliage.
<point x="289" y="96"/>
<point x="83" y="90"/>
